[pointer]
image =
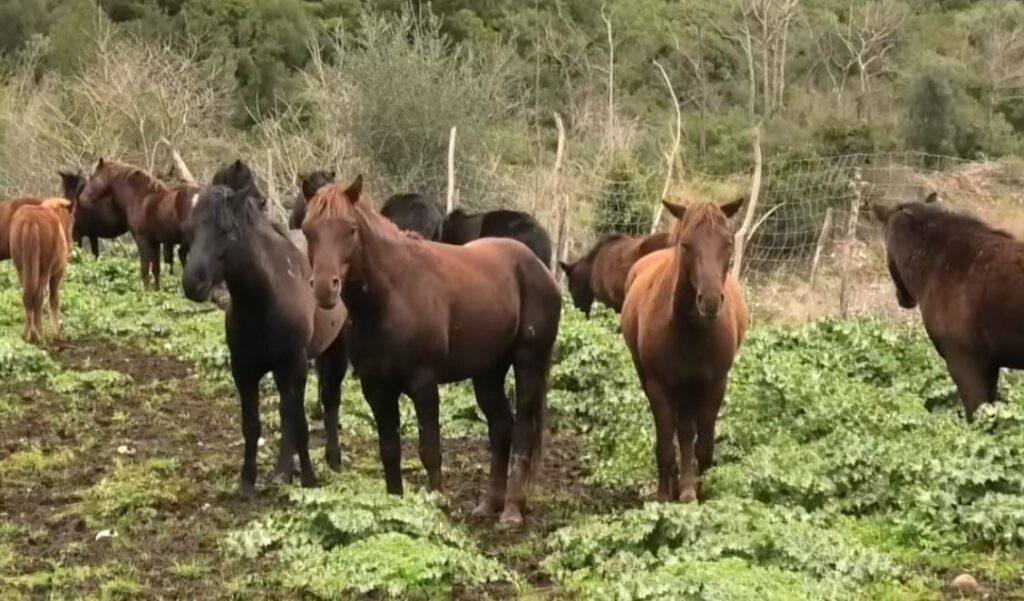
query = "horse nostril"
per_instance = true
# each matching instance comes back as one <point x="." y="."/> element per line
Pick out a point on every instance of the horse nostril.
<point x="310" y="282"/>
<point x="336" y="282"/>
<point x="700" y="298"/>
<point x="721" y="299"/>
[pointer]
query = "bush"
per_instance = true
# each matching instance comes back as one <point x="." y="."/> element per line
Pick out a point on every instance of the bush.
<point x="625" y="203"/>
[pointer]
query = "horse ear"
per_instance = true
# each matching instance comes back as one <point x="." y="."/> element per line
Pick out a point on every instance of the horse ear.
<point x="932" y="198"/>
<point x="331" y="175"/>
<point x="238" y="164"/>
<point x="354" y="190"/>
<point x="881" y="211"/>
<point x="566" y="267"/>
<point x="100" y="163"/>
<point x="733" y="207"/>
<point x="676" y="211"/>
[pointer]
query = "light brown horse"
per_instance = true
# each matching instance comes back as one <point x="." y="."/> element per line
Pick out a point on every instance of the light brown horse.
<point x="684" y="319"/>
<point x="156" y="214"/>
<point x="601" y="273"/>
<point x="968" y="279"/>
<point x="7" y="209"/>
<point x="40" y="242"/>
<point x="424" y="313"/>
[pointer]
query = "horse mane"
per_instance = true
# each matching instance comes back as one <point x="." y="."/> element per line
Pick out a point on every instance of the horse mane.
<point x="130" y="174"/>
<point x="698" y="215"/>
<point x="329" y="202"/>
<point x="950" y="223"/>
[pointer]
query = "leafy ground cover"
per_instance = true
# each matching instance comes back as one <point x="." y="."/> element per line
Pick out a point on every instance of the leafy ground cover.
<point x="843" y="472"/>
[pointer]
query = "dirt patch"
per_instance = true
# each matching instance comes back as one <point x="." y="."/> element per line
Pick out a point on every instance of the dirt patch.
<point x="142" y="367"/>
<point x="161" y="418"/>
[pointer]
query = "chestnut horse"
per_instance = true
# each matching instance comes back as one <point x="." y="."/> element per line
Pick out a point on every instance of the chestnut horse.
<point x="424" y="314"/>
<point x="101" y="219"/>
<point x="601" y="273"/>
<point x="684" y="319"/>
<point x="156" y="214"/>
<point x="272" y="323"/>
<point x="967" y="278"/>
<point x="40" y="243"/>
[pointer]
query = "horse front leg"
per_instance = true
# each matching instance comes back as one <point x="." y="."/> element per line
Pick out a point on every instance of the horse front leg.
<point x="382" y="396"/>
<point x="291" y="384"/>
<point x="663" y="408"/>
<point x="148" y="253"/>
<point x="427" y="402"/>
<point x="331" y="368"/>
<point x="247" y="384"/>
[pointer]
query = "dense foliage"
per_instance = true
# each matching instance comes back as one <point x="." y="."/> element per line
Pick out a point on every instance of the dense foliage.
<point x="843" y="471"/>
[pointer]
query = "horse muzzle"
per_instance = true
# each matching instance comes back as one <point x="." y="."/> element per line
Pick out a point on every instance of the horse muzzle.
<point x="710" y="307"/>
<point x="326" y="291"/>
<point x="196" y="287"/>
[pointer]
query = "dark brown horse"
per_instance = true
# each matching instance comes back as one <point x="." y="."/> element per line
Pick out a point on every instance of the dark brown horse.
<point x="100" y="219"/>
<point x="684" y="319"/>
<point x="156" y="214"/>
<point x="968" y="279"/>
<point x="40" y="243"/>
<point x="601" y="273"/>
<point x="460" y="227"/>
<point x="424" y="314"/>
<point x="272" y="323"/>
<point x="309" y="184"/>
<point x="7" y="210"/>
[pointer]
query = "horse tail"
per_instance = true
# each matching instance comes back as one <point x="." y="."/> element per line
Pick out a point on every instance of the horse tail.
<point x="29" y="249"/>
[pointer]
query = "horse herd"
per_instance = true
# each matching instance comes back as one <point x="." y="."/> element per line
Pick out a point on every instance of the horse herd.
<point x="413" y="298"/>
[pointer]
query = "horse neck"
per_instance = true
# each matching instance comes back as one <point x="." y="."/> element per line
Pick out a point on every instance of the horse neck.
<point x="380" y="256"/>
<point x="248" y="265"/>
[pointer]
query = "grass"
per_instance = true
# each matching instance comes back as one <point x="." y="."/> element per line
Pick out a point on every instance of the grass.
<point x="843" y="471"/>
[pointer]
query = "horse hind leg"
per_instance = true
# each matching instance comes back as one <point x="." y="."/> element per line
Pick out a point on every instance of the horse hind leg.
<point x="55" y="281"/>
<point x="531" y="374"/>
<point x="490" y="396"/>
<point x="976" y="380"/>
<point x="427" y="402"/>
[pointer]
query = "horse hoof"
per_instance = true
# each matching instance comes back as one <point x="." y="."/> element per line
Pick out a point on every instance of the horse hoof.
<point x="247" y="490"/>
<point x="309" y="481"/>
<point x="334" y="462"/>
<point x="689" y="495"/>
<point x="484" y="511"/>
<point x="510" y="520"/>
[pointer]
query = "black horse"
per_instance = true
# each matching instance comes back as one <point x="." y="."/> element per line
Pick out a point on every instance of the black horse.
<point x="238" y="176"/>
<point x="460" y="227"/>
<point x="415" y="213"/>
<point x="273" y="323"/>
<point x="308" y="186"/>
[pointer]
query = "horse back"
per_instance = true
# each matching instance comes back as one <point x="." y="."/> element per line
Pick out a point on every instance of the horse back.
<point x="979" y="311"/>
<point x="40" y="240"/>
<point x="518" y="226"/>
<point x="7" y="209"/>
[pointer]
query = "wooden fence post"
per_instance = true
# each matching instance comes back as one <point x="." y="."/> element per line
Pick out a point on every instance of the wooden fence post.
<point x="451" y="171"/>
<point x="562" y="200"/>
<point x="857" y="185"/>
<point x="826" y="229"/>
<point x="748" y="217"/>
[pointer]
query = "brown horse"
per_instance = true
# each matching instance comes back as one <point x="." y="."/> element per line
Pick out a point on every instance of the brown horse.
<point x="156" y="214"/>
<point x="684" y="319"/>
<point x="40" y="242"/>
<point x="968" y="280"/>
<point x="601" y="273"/>
<point x="425" y="313"/>
<point x="7" y="209"/>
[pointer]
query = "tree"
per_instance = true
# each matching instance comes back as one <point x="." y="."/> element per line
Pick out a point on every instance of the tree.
<point x="931" y="115"/>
